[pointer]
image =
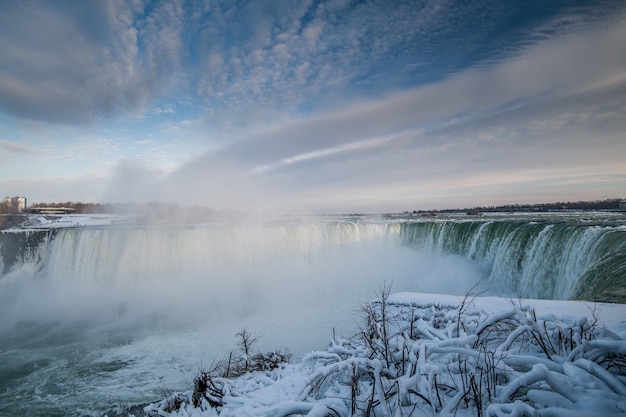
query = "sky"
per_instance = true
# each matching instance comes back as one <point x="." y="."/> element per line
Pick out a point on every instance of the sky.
<point x="313" y="106"/>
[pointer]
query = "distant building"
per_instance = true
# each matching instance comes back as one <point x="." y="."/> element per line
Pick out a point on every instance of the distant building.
<point x="52" y="210"/>
<point x="15" y="204"/>
<point x="622" y="205"/>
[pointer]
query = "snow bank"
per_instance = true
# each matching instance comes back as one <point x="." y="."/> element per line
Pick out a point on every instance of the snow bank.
<point x="72" y="220"/>
<point x="610" y="316"/>
<point x="425" y="354"/>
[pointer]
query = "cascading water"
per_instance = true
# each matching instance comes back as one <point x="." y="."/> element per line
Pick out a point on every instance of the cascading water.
<point x="92" y="317"/>
<point x="551" y="259"/>
<point x="166" y="253"/>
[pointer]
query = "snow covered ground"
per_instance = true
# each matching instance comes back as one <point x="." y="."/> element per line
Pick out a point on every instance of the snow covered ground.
<point x="55" y="221"/>
<point x="434" y="355"/>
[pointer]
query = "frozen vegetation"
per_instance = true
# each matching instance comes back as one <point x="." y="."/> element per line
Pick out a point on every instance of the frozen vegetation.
<point x="431" y="355"/>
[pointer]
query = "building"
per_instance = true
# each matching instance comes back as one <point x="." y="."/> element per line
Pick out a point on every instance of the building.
<point x="622" y="205"/>
<point x="15" y="204"/>
<point x="52" y="210"/>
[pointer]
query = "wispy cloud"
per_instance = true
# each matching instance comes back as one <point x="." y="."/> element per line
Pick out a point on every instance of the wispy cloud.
<point x="548" y="75"/>
<point x="536" y="110"/>
<point x="15" y="147"/>
<point x="322" y="153"/>
<point x="75" y="62"/>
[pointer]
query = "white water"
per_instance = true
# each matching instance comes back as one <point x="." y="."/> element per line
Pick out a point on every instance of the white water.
<point x="554" y="257"/>
<point x="117" y="314"/>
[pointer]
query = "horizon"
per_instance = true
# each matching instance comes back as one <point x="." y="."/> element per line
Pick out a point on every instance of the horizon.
<point x="313" y="107"/>
<point x="156" y="204"/>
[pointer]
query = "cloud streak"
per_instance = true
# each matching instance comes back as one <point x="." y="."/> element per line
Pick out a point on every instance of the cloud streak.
<point x="9" y="146"/>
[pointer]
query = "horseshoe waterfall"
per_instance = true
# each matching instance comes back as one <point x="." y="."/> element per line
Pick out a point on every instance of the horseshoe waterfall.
<point x="94" y="317"/>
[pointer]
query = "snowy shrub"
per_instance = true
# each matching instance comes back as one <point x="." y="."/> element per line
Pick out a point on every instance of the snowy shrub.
<point x="426" y="359"/>
<point x="247" y="360"/>
<point x="207" y="388"/>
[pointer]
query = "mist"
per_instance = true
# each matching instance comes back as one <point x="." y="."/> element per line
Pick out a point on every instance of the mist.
<point x="120" y="311"/>
<point x="290" y="282"/>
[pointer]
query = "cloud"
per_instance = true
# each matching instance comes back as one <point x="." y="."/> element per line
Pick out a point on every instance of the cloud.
<point x="546" y="74"/>
<point x="11" y="151"/>
<point x="55" y="189"/>
<point x="321" y="102"/>
<point x="75" y="62"/>
<point x="541" y="110"/>
<point x="78" y="62"/>
<point x="9" y="146"/>
<point x="320" y="53"/>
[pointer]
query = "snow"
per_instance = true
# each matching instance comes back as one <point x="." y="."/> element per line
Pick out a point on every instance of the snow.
<point x="72" y="220"/>
<point x="612" y="316"/>
<point x="440" y="355"/>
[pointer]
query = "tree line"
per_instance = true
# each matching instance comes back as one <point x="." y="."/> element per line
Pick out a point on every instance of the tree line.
<point x="607" y="204"/>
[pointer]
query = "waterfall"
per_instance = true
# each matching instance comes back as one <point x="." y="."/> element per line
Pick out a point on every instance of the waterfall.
<point x="532" y="259"/>
<point x="168" y="253"/>
<point x="553" y="259"/>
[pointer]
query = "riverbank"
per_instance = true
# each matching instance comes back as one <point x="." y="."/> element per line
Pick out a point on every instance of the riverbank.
<point x="58" y="221"/>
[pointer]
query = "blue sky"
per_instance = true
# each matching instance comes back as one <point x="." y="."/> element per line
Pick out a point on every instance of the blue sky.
<point x="321" y="106"/>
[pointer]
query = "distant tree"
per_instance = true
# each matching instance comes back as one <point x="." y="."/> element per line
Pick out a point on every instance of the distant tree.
<point x="5" y="208"/>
